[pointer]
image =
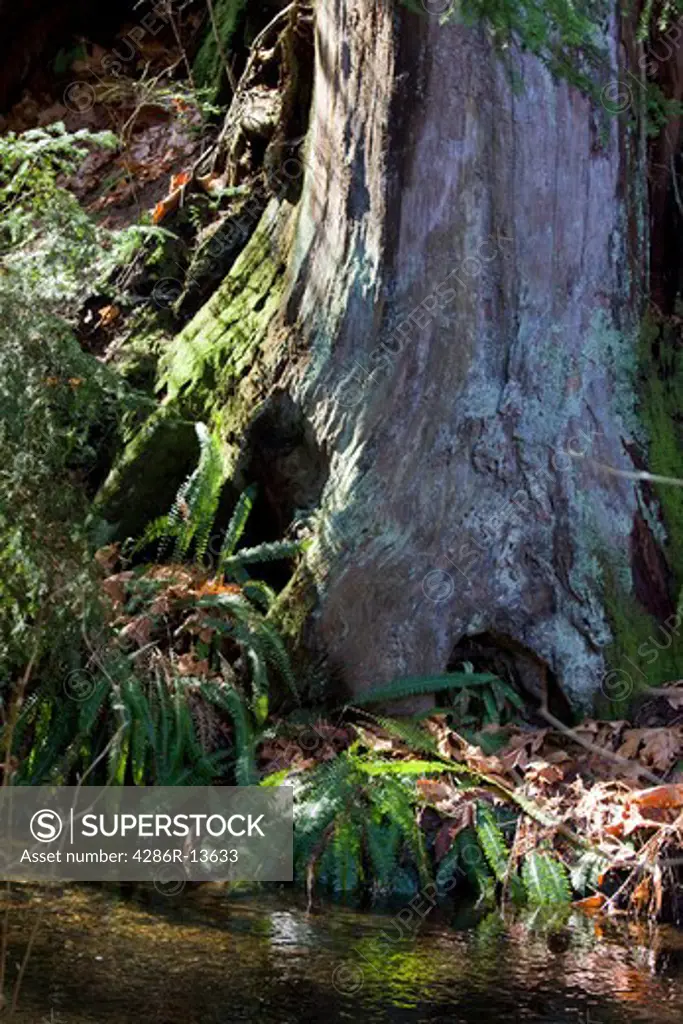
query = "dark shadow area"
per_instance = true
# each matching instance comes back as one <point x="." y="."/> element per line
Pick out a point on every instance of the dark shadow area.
<point x="517" y="665"/>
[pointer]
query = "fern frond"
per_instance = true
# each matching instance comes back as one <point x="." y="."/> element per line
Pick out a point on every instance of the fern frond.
<point x="236" y="526"/>
<point x="415" y="686"/>
<point x="273" y="551"/>
<point x="228" y="698"/>
<point x="378" y="767"/>
<point x="259" y="593"/>
<point x="383" y="842"/>
<point x="545" y="880"/>
<point x="492" y="841"/>
<point x="277" y="655"/>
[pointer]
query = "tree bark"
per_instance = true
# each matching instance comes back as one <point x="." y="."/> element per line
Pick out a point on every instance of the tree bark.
<point x="444" y="327"/>
<point x="467" y="276"/>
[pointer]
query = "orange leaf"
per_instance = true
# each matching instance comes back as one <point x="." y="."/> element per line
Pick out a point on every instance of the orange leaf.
<point x="591" y="903"/>
<point x="108" y="314"/>
<point x="659" y="796"/>
<point x="178" y="180"/>
<point x="166" y="206"/>
<point x="216" y="587"/>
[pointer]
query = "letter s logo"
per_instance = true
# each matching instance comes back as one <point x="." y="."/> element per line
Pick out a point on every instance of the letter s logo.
<point x="46" y="826"/>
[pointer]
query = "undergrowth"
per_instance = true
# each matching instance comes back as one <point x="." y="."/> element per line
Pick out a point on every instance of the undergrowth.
<point x="205" y="669"/>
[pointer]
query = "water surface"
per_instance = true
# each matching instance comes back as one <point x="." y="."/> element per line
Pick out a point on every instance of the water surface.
<point x="211" y="957"/>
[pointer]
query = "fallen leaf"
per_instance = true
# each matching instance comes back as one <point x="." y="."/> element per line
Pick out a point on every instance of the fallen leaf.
<point x="659" y="796"/>
<point x="542" y="771"/>
<point x="107" y="315"/>
<point x="179" y="180"/>
<point x="591" y="903"/>
<point x="661" y="748"/>
<point x="108" y="556"/>
<point x="138" y="630"/>
<point x="115" y="587"/>
<point x="189" y="665"/>
<point x="432" y="790"/>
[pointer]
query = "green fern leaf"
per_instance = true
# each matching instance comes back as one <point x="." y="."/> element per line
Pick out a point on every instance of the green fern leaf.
<point x="545" y="880"/>
<point x="414" y="686"/>
<point x="236" y="526"/>
<point x="274" y="551"/>
<point x="492" y="841"/>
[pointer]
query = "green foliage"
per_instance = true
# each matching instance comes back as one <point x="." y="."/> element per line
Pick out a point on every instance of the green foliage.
<point x="416" y="686"/>
<point x="126" y="732"/>
<point x="476" y="698"/>
<point x="193" y="511"/>
<point x="229" y="700"/>
<point x="586" y="872"/>
<point x="564" y="35"/>
<point x="545" y="880"/>
<point x="192" y="515"/>
<point x="492" y="842"/>
<point x="208" y="64"/>
<point x="369" y="802"/>
<point x="356" y="816"/>
<point x="59" y="406"/>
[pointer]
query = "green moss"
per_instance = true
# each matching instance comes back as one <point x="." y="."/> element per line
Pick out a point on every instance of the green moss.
<point x="208" y="68"/>
<point x="202" y="366"/>
<point x="209" y="373"/>
<point x="661" y="361"/>
<point x="145" y="479"/>
<point x="294" y="606"/>
<point x="643" y="653"/>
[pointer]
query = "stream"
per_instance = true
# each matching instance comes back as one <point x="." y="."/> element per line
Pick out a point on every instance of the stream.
<point x="206" y="956"/>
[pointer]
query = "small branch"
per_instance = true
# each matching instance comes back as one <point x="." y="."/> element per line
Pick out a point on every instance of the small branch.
<point x="623" y="762"/>
<point x="638" y="474"/>
<point x="179" y="41"/>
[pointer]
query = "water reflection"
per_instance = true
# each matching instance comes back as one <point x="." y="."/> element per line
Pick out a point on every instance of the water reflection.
<point x="211" y="958"/>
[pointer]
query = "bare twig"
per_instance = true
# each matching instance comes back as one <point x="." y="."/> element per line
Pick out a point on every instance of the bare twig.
<point x="623" y="762"/>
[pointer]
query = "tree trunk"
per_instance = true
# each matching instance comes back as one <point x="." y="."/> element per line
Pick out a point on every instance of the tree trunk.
<point x="447" y="323"/>
<point x="468" y="274"/>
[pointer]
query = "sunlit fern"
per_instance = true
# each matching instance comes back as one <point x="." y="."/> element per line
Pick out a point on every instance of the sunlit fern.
<point x="191" y="519"/>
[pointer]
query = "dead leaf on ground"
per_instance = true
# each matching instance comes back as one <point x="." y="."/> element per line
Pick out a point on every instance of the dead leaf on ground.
<point x="659" y="796"/>
<point x="138" y="630"/>
<point x="190" y="665"/>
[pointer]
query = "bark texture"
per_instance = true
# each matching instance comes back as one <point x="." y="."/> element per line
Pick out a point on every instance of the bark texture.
<point x="488" y="237"/>
<point x="432" y="345"/>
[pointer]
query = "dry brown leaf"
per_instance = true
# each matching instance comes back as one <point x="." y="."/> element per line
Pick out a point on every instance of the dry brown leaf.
<point x="189" y="665"/>
<point x="642" y="893"/>
<point x="108" y="314"/>
<point x="659" y="796"/>
<point x="433" y="791"/>
<point x="107" y="557"/>
<point x="138" y="630"/>
<point x="542" y="771"/>
<point x="631" y="743"/>
<point x="463" y="818"/>
<point x="661" y="748"/>
<point x="115" y="587"/>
